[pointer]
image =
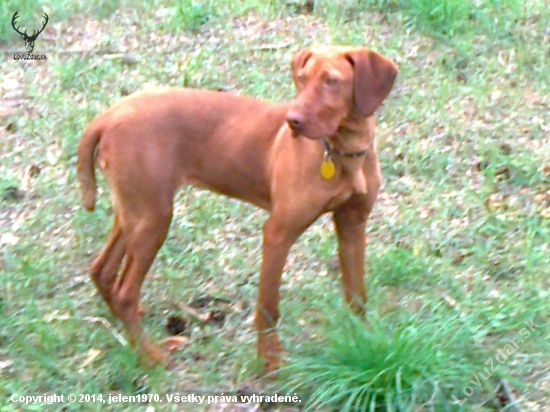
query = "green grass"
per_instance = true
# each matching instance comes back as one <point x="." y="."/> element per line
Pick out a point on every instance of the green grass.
<point x="457" y="255"/>
<point x="394" y="362"/>
<point x="441" y="18"/>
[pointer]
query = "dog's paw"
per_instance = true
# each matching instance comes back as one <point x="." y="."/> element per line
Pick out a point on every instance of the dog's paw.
<point x="269" y="352"/>
<point x="271" y="367"/>
<point x="155" y="357"/>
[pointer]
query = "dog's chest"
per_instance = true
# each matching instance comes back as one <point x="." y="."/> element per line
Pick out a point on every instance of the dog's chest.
<point x="341" y="195"/>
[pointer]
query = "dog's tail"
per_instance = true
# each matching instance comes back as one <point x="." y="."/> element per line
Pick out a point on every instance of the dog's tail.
<point x="85" y="165"/>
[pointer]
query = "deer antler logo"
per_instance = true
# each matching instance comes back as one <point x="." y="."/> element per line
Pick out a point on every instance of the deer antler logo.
<point x="29" y="40"/>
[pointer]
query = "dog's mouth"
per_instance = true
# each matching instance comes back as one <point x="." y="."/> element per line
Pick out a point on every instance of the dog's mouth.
<point x="295" y="133"/>
<point x="318" y="135"/>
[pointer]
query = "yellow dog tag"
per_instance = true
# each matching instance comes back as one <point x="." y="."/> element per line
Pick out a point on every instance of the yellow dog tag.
<point x="327" y="168"/>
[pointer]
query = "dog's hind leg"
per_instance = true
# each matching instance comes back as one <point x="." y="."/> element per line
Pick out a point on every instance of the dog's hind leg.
<point x="143" y="233"/>
<point x="105" y="268"/>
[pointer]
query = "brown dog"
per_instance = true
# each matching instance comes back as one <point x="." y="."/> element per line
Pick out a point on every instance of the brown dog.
<point x="297" y="160"/>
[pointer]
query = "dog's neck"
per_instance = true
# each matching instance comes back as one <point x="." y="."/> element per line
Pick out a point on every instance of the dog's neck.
<point x="350" y="145"/>
<point x="355" y="134"/>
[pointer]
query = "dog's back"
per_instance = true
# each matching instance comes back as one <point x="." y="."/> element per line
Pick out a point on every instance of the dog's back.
<point x="188" y="125"/>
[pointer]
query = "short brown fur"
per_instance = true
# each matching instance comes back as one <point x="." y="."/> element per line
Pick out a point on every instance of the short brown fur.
<point x="151" y="143"/>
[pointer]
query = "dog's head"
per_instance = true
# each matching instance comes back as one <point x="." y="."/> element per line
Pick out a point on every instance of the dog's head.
<point x="334" y="82"/>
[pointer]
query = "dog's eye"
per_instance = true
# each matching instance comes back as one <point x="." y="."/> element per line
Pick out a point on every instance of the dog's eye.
<point x="331" y="81"/>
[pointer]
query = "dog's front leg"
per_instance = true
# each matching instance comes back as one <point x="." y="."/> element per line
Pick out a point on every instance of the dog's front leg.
<point x="278" y="238"/>
<point x="350" y="221"/>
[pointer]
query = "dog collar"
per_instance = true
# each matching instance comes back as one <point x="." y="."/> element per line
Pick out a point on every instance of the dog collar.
<point x="329" y="150"/>
<point x="327" y="165"/>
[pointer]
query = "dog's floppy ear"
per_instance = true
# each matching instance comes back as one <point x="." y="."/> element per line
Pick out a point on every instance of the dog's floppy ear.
<point x="299" y="60"/>
<point x="373" y="79"/>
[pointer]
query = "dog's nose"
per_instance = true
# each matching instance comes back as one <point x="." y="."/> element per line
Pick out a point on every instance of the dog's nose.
<point x="295" y="121"/>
